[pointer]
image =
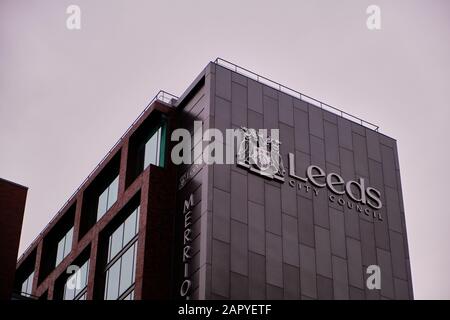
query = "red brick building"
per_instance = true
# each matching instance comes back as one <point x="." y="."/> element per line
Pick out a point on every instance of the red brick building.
<point x="140" y="227"/>
<point x="12" y="206"/>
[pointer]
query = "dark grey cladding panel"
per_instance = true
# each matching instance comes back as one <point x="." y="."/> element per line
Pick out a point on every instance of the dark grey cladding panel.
<point x="274" y="261"/>
<point x="288" y="194"/>
<point x="410" y="287"/>
<point x="389" y="174"/>
<point x="239" y="287"/>
<point x="274" y="292"/>
<point x="239" y="247"/>
<point x="315" y="121"/>
<point x="376" y="176"/>
<point x="222" y="176"/>
<point x="288" y="200"/>
<point x="302" y="161"/>
<point x="324" y="288"/>
<point x="300" y="105"/>
<point x="401" y="289"/>
<point x="239" y="197"/>
<point x="387" y="281"/>
<point x="238" y="104"/>
<point x="320" y="203"/>
<point x="351" y="223"/>
<point x="272" y="208"/>
<point x="317" y="151"/>
<point x="369" y="255"/>
<point x="340" y="279"/>
<point x="222" y="119"/>
<point x="382" y="234"/>
<point x="331" y="143"/>
<point x="356" y="294"/>
<point x="323" y="251"/>
<point x="286" y="109"/>
<point x="398" y="256"/>
<point x="221" y="215"/>
<point x="257" y="276"/>
<point x="337" y="233"/>
<point x="291" y="282"/>
<point x="270" y="92"/>
<point x="330" y="117"/>
<point x="256" y="228"/>
<point x="255" y="96"/>
<point x="238" y="78"/>
<point x="301" y="130"/>
<point x="345" y="133"/>
<point x="387" y="141"/>
<point x="360" y="154"/>
<point x="305" y="221"/>
<point x="290" y="240"/>
<point x="223" y="83"/>
<point x="373" y="145"/>
<point x="359" y="129"/>
<point x="393" y="209"/>
<point x="255" y="189"/>
<point x="308" y="271"/>
<point x="400" y="193"/>
<point x="270" y="113"/>
<point x="280" y="241"/>
<point x="287" y="140"/>
<point x="347" y="168"/>
<point x="220" y="270"/>
<point x="355" y="267"/>
<point x="255" y="120"/>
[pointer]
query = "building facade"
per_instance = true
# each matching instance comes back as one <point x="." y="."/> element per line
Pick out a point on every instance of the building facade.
<point x="143" y="227"/>
<point x="12" y="205"/>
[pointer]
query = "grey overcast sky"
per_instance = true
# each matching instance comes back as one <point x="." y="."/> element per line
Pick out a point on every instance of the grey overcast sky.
<point x="67" y="96"/>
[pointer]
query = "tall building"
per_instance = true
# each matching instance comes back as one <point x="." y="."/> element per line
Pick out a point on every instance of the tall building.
<point x="12" y="206"/>
<point x="311" y="211"/>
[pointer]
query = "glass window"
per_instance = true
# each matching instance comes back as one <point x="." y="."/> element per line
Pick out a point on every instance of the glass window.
<point x="130" y="226"/>
<point x="112" y="192"/>
<point x="68" y="244"/>
<point x="107" y="198"/>
<point x="127" y="270"/>
<point x="151" y="149"/>
<point x="76" y="283"/>
<point x="130" y="296"/>
<point x="27" y="285"/>
<point x="120" y="275"/>
<point x="102" y="204"/>
<point x="123" y="234"/>
<point x="82" y="297"/>
<point x="64" y="246"/>
<point x="60" y="250"/>
<point x="112" y="281"/>
<point x="115" y="242"/>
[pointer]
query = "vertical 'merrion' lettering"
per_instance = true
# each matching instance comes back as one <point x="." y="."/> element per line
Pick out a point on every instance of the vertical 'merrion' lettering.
<point x="187" y="212"/>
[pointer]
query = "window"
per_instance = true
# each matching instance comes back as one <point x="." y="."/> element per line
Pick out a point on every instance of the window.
<point x="121" y="274"/>
<point x="146" y="146"/>
<point x="152" y="149"/>
<point x="27" y="285"/>
<point x="107" y="198"/>
<point x="121" y="262"/>
<point x="76" y="285"/>
<point x="64" y="246"/>
<point x="123" y="234"/>
<point x="130" y="296"/>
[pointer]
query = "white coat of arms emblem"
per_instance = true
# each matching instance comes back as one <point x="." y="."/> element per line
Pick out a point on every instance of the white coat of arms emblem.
<point x="260" y="153"/>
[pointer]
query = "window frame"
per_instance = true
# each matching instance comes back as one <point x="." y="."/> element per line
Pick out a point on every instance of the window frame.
<point x="108" y="204"/>
<point x="117" y="257"/>
<point x="65" y="252"/>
